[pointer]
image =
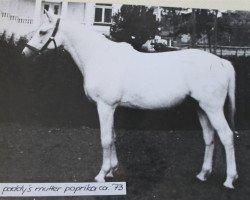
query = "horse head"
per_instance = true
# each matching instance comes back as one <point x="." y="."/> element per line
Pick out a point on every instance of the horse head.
<point x="47" y="36"/>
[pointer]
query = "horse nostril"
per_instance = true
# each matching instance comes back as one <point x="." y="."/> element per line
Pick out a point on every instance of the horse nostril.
<point x="23" y="54"/>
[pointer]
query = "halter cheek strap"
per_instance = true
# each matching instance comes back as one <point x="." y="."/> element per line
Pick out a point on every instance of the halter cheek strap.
<point x="51" y="39"/>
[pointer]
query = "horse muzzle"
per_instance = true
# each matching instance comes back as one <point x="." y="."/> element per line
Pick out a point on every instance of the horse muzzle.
<point x="27" y="53"/>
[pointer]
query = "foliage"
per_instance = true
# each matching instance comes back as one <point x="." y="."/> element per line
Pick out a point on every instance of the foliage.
<point x="137" y="24"/>
<point x="174" y="20"/>
<point x="49" y="90"/>
<point x="233" y="27"/>
<point x="182" y="21"/>
<point x="134" y="25"/>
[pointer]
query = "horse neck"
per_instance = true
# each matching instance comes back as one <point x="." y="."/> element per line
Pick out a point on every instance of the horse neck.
<point x="81" y="43"/>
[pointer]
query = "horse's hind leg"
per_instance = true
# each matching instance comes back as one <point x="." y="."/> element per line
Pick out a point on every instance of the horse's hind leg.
<point x="106" y="118"/>
<point x="208" y="135"/>
<point x="218" y="121"/>
<point x="113" y="159"/>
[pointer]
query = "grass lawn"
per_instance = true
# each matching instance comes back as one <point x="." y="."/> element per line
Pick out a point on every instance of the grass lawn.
<point x="155" y="164"/>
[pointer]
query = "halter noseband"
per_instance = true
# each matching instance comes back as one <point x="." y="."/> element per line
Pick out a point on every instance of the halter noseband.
<point x="51" y="39"/>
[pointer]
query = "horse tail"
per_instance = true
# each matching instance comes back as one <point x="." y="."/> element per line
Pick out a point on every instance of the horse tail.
<point x="231" y="95"/>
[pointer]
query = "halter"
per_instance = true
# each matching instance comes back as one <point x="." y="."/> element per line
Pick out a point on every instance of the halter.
<point x="51" y="39"/>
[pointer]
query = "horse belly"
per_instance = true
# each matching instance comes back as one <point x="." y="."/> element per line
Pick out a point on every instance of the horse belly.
<point x="154" y="94"/>
<point x="151" y="103"/>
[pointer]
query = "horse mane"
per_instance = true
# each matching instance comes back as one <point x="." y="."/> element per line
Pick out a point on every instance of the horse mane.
<point x="81" y="29"/>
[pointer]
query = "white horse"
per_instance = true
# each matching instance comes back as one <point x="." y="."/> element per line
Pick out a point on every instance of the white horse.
<point x="117" y="75"/>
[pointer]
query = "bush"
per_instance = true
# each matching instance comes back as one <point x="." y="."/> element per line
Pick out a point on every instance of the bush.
<point x="50" y="91"/>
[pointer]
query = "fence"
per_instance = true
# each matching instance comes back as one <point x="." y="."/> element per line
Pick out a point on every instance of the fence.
<point x="227" y="50"/>
<point x="223" y="50"/>
<point x="13" y="24"/>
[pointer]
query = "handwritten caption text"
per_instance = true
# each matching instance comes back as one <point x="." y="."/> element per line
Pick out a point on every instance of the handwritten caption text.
<point x="62" y="189"/>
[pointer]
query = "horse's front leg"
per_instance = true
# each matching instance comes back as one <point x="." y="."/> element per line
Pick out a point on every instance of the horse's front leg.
<point x="106" y="118"/>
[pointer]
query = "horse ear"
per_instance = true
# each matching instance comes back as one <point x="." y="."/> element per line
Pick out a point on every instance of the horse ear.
<point x="50" y="15"/>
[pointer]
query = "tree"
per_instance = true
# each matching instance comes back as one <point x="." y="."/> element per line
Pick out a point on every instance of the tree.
<point x="173" y="20"/>
<point x="196" y="22"/>
<point x="234" y="28"/>
<point x="134" y="25"/>
<point x="218" y="28"/>
<point x="206" y="24"/>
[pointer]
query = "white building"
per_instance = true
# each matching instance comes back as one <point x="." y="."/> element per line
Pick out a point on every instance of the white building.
<point x="23" y="16"/>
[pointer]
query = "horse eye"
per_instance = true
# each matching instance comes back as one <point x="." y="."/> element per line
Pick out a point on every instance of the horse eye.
<point x="42" y="32"/>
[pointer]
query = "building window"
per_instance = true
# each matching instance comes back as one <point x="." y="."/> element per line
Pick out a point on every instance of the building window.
<point x="103" y="14"/>
<point x="107" y="15"/>
<point x="46" y="7"/>
<point x="98" y="14"/>
<point x="56" y="8"/>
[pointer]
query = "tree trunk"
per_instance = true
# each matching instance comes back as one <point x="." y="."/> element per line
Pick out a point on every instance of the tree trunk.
<point x="193" y="35"/>
<point x="209" y="42"/>
<point x="215" y="32"/>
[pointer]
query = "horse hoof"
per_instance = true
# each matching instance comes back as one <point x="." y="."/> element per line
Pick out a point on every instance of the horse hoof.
<point x="229" y="181"/>
<point x="201" y="177"/>
<point x="228" y="185"/>
<point x="110" y="174"/>
<point x="99" y="179"/>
